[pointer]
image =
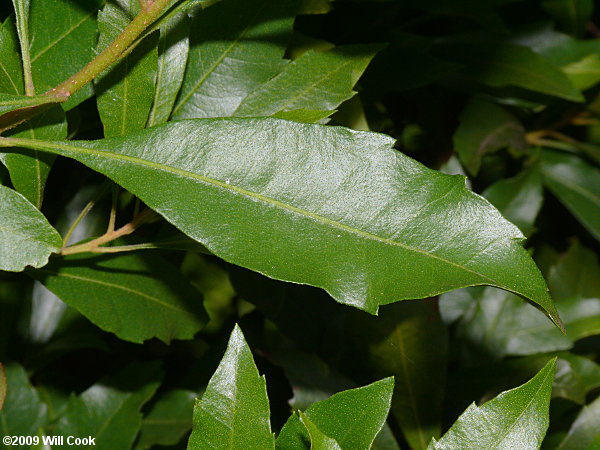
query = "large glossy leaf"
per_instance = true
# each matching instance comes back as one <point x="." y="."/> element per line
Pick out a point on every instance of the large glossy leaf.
<point x="343" y="417"/>
<point x="501" y="64"/>
<point x="519" y="199"/>
<point x="235" y="46"/>
<point x="125" y="93"/>
<point x="173" y="47"/>
<point x="514" y="419"/>
<point x="29" y="169"/>
<point x="577" y="185"/>
<point x="11" y="70"/>
<point x="168" y="420"/>
<point x="585" y="430"/>
<point x="136" y="296"/>
<point x="109" y="410"/>
<point x="275" y="196"/>
<point x="23" y="413"/>
<point x="26" y="237"/>
<point x="318" y="439"/>
<point x="234" y="409"/>
<point x="63" y="36"/>
<point x="485" y="128"/>
<point x="314" y="81"/>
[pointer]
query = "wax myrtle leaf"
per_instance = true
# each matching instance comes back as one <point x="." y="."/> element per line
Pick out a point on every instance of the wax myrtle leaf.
<point x="23" y="412"/>
<point x="585" y="430"/>
<point x="126" y="91"/>
<point x="29" y="169"/>
<point x="571" y="15"/>
<point x="168" y="420"/>
<point x="304" y="115"/>
<point x="136" y="296"/>
<point x="343" y="418"/>
<point x="26" y="237"/>
<point x="109" y="410"/>
<point x="11" y="70"/>
<point x="314" y="81"/>
<point x="485" y="128"/>
<point x="318" y="439"/>
<point x="225" y="176"/>
<point x="584" y="73"/>
<point x="500" y="64"/>
<point x="577" y="185"/>
<point x="517" y="418"/>
<point x="235" y="46"/>
<point x="315" y="7"/>
<point x="234" y="408"/>
<point x="63" y="36"/>
<point x="173" y="47"/>
<point x="293" y="435"/>
<point x="519" y="199"/>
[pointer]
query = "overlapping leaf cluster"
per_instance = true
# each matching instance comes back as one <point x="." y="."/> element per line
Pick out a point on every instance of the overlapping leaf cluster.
<point x="221" y="169"/>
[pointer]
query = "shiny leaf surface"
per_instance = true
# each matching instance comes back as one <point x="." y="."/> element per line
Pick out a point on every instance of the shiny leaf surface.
<point x="585" y="430"/>
<point x="236" y="187"/>
<point x="234" y="409"/>
<point x="318" y="439"/>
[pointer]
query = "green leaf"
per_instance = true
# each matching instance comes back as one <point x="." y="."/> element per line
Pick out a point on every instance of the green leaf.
<point x="343" y="417"/>
<point x="63" y="38"/>
<point x="585" y="430"/>
<point x="234" y="410"/>
<point x="109" y="410"/>
<point x="318" y="439"/>
<point x="485" y="128"/>
<point x="572" y="15"/>
<point x="136" y="296"/>
<point x="168" y="420"/>
<point x="501" y="64"/>
<point x="293" y="435"/>
<point x="304" y="115"/>
<point x="314" y="81"/>
<point x="26" y="237"/>
<point x="29" y="169"/>
<point x="23" y="413"/>
<point x="11" y="70"/>
<point x="173" y="47"/>
<point x="519" y="199"/>
<point x="315" y="7"/>
<point x="126" y="91"/>
<point x="584" y="73"/>
<point x="517" y="418"/>
<point x="577" y="185"/>
<point x="407" y="223"/>
<point x="10" y="102"/>
<point x="235" y="46"/>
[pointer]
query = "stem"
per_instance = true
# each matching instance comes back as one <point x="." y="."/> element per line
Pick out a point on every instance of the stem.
<point x="113" y="209"/>
<point x="93" y="246"/>
<point x="150" y="11"/>
<point x="84" y="212"/>
<point x="22" y="23"/>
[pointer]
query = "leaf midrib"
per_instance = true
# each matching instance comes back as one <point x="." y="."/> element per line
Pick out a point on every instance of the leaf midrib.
<point x="253" y="195"/>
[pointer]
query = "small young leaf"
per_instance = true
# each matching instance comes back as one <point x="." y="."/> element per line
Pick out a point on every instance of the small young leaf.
<point x="109" y="410"/>
<point x="168" y="420"/>
<point x="26" y="237"/>
<point x="318" y="439"/>
<point x="577" y="185"/>
<point x="485" y="128"/>
<point x="514" y="419"/>
<point x="234" y="409"/>
<point x="230" y="57"/>
<point x="126" y="91"/>
<point x="585" y="430"/>
<point x="23" y="411"/>
<point x="314" y="81"/>
<point x="136" y="296"/>
<point x="248" y="188"/>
